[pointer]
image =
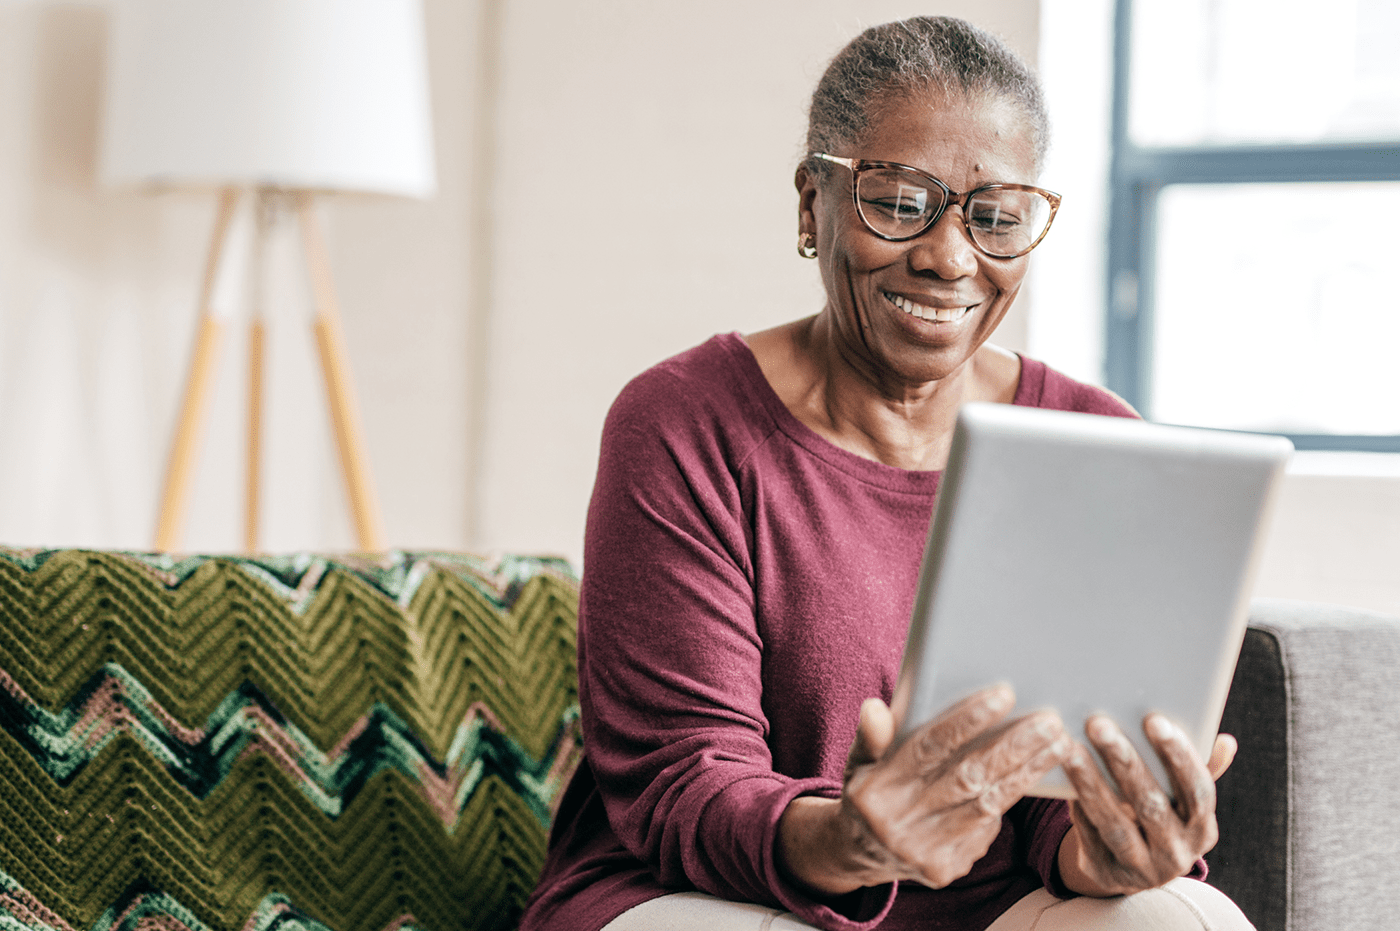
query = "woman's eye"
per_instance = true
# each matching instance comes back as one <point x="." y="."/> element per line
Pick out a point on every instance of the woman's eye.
<point x="894" y="198"/>
<point x="995" y="221"/>
<point x="899" y="208"/>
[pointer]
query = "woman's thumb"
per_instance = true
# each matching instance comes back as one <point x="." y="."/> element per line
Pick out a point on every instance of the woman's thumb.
<point x="873" y="735"/>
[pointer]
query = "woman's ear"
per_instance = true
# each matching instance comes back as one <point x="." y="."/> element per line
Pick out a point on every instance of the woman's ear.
<point x="806" y="200"/>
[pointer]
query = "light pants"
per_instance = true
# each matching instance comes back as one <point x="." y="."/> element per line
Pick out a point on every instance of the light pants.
<point x="1180" y="905"/>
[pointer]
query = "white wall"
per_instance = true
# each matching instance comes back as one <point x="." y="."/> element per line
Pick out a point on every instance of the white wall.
<point x="615" y="185"/>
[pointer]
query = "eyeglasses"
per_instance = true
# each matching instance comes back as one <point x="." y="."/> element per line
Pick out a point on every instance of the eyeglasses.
<point x="898" y="203"/>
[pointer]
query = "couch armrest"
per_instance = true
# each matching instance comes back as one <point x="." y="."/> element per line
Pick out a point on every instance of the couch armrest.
<point x="1310" y="811"/>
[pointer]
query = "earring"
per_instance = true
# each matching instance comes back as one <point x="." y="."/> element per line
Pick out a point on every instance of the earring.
<point x="807" y="246"/>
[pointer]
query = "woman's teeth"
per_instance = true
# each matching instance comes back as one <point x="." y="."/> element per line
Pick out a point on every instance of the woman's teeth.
<point x="940" y="314"/>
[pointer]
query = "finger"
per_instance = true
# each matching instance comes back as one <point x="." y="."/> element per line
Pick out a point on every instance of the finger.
<point x="1174" y="835"/>
<point x="965" y="721"/>
<point x="1112" y="820"/>
<point x="1222" y="754"/>
<point x="968" y="829"/>
<point x="1192" y="782"/>
<point x="1000" y="754"/>
<point x="1019" y="759"/>
<point x="1034" y="744"/>
<point x="1135" y="782"/>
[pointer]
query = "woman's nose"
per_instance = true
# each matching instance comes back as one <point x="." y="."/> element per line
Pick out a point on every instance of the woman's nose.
<point x="946" y="248"/>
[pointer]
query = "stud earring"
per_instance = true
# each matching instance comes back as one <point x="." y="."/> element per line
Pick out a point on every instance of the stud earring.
<point x="807" y="246"/>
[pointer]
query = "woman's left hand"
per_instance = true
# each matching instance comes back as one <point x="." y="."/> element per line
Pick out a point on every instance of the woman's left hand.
<point x="1134" y="837"/>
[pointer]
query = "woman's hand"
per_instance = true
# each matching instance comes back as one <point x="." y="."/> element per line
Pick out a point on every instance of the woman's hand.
<point x="1135" y="838"/>
<point x="927" y="810"/>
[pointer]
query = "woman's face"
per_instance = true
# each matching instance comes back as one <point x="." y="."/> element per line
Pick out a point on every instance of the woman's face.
<point x="872" y="285"/>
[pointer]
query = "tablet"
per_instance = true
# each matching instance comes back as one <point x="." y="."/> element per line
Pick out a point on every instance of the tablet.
<point x="1097" y="564"/>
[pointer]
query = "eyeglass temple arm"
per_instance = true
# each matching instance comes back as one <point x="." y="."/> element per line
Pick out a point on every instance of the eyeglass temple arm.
<point x="848" y="162"/>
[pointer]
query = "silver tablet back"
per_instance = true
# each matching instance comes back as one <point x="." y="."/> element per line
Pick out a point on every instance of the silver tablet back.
<point x="1096" y="564"/>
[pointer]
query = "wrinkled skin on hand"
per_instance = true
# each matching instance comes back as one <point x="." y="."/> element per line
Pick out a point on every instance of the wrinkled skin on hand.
<point x="927" y="809"/>
<point x="1134" y="837"/>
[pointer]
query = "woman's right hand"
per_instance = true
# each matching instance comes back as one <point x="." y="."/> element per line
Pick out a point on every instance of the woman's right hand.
<point x="926" y="810"/>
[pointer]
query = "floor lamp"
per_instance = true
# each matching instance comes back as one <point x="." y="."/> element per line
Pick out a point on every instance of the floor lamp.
<point x="290" y="99"/>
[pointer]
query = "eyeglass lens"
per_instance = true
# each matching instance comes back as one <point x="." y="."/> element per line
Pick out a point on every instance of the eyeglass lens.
<point x="900" y="205"/>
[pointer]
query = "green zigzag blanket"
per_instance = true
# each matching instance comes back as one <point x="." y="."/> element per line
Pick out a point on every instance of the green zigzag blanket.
<point x="303" y="743"/>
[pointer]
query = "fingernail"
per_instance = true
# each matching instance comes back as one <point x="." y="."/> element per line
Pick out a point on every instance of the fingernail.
<point x="1001" y="698"/>
<point x="1159" y="728"/>
<point x="1102" y="730"/>
<point x="1107" y="733"/>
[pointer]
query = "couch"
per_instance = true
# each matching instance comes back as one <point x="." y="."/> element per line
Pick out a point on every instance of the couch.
<point x="357" y="743"/>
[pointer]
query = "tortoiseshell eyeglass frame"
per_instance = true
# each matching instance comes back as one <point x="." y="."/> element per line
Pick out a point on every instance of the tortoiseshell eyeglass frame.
<point x="950" y="196"/>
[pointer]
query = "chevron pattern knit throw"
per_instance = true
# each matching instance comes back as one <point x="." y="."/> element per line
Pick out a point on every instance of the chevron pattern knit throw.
<point x="303" y="743"/>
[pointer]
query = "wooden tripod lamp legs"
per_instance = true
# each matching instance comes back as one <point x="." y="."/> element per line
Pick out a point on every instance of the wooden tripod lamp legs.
<point x="265" y="214"/>
<point x="175" y="496"/>
<point x="330" y="342"/>
<point x="339" y="390"/>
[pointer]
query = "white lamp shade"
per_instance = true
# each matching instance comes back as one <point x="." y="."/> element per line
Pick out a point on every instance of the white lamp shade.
<point x="310" y="94"/>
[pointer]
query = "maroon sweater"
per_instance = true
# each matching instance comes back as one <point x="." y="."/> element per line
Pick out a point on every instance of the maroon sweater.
<point x="747" y="585"/>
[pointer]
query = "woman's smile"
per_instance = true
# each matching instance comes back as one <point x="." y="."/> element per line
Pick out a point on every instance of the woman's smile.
<point x="954" y="313"/>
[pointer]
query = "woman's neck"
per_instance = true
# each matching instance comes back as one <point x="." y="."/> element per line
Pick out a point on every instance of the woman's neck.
<point x="867" y="412"/>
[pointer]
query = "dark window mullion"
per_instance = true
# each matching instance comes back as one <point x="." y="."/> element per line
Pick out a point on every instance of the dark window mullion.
<point x="1365" y="443"/>
<point x="1258" y="164"/>
<point x="1131" y="248"/>
<point x="1123" y="289"/>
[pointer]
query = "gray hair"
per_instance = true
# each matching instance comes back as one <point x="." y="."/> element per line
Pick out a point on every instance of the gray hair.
<point x="888" y="62"/>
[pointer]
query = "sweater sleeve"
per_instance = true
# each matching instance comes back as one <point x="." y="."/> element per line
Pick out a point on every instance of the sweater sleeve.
<point x="670" y="661"/>
<point x="1044" y="822"/>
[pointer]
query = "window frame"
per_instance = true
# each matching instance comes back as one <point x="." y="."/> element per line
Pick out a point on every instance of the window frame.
<point x="1137" y="176"/>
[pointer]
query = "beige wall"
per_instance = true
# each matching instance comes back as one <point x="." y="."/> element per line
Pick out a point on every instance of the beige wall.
<point x="615" y="185"/>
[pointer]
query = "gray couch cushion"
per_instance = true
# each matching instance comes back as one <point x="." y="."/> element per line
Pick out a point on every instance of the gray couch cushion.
<point x="1310" y="812"/>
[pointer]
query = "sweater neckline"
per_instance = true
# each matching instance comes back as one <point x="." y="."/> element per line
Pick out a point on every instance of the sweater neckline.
<point x="917" y="481"/>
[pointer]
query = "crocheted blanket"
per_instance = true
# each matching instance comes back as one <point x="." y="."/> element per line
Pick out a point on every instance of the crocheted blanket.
<point x="304" y="742"/>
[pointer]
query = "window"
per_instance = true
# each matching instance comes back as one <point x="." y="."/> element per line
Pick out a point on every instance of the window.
<point x="1254" y="219"/>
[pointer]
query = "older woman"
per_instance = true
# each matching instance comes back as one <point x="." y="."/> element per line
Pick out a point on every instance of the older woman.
<point x="752" y="550"/>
